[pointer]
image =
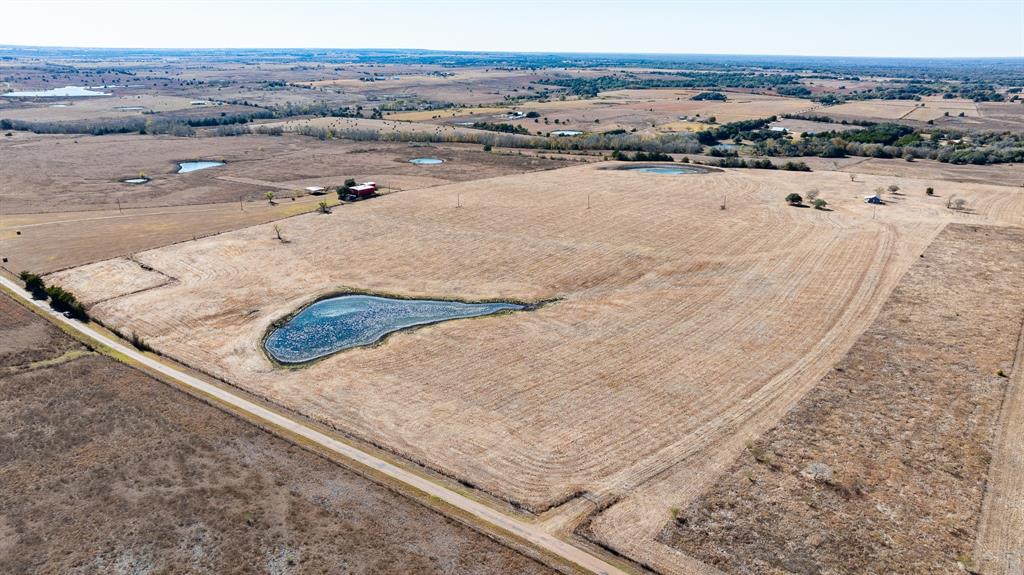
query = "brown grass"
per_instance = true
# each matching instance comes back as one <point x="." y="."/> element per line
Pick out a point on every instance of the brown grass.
<point x="675" y="320"/>
<point x="105" y="470"/>
<point x="902" y="431"/>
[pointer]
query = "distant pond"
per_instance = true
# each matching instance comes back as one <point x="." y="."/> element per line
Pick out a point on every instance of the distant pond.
<point x="186" y="167"/>
<point x="338" y="323"/>
<point x="426" y="161"/>
<point x="664" y="169"/>
<point x="65" y="92"/>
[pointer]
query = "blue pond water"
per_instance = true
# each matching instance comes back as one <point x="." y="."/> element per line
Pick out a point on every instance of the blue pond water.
<point x="664" y="170"/>
<point x="186" y="167"/>
<point x="65" y="92"/>
<point x="347" y="321"/>
<point x="426" y="161"/>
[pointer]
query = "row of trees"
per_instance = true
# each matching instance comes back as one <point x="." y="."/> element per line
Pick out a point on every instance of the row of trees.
<point x="60" y="299"/>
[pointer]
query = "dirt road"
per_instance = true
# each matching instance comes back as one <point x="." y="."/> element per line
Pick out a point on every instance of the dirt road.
<point x="533" y="534"/>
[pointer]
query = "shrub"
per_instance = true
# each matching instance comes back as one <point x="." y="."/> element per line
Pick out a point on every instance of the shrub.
<point x="794" y="199"/>
<point x="66" y="302"/>
<point x="487" y="147"/>
<point x="929" y="191"/>
<point x="819" y="204"/>
<point x="34" y="284"/>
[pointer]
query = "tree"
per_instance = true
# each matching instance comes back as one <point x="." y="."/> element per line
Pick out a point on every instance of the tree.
<point x="812" y="194"/>
<point x="794" y="199"/>
<point x="323" y="208"/>
<point x="270" y="197"/>
<point x="819" y="204"/>
<point x="894" y="189"/>
<point x="34" y="284"/>
<point x="929" y="191"/>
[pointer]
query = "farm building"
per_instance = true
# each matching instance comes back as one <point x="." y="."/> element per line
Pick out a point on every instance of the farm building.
<point x="364" y="190"/>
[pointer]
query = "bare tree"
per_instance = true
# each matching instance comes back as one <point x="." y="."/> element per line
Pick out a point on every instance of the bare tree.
<point x="813" y="194"/>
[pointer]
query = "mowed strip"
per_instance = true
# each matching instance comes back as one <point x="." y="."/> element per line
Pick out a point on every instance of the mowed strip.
<point x="884" y="464"/>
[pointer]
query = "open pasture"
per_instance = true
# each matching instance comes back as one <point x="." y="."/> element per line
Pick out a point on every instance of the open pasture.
<point x="68" y="173"/>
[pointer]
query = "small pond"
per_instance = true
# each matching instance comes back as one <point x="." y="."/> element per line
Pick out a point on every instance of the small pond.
<point x="136" y="180"/>
<point x="347" y="321"/>
<point x="186" y="167"/>
<point x="566" y="133"/>
<point x="663" y="169"/>
<point x="65" y="92"/>
<point x="426" y="161"/>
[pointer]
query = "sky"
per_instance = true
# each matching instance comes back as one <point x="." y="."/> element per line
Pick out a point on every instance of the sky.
<point x="897" y="28"/>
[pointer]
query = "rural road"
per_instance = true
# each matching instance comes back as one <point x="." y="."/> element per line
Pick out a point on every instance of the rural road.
<point x="528" y="532"/>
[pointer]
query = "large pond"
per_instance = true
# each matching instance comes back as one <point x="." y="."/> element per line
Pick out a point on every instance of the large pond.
<point x="331" y="325"/>
<point x="186" y="167"/>
<point x="65" y="92"/>
<point x="664" y="169"/>
<point x="426" y="161"/>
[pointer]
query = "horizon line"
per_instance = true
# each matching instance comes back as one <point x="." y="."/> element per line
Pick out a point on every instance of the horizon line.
<point x="525" y="52"/>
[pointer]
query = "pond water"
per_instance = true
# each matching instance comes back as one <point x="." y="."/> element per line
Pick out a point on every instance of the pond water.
<point x="347" y="321"/>
<point x="186" y="167"/>
<point x="136" y="180"/>
<point x="566" y="133"/>
<point x="65" y="92"/>
<point x="426" y="161"/>
<point x="663" y="169"/>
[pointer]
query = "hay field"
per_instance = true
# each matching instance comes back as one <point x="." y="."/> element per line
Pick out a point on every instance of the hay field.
<point x="676" y="322"/>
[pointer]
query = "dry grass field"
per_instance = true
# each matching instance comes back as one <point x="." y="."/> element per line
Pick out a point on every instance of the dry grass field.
<point x="105" y="470"/>
<point x="883" y="465"/>
<point x="69" y="173"/>
<point x="679" y="329"/>
<point x="69" y="109"/>
<point x="645" y="110"/>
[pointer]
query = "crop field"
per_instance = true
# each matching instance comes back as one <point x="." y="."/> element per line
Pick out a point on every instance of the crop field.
<point x="675" y="329"/>
<point x="128" y="475"/>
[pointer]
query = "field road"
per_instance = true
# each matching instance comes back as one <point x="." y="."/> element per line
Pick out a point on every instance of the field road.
<point x="528" y="532"/>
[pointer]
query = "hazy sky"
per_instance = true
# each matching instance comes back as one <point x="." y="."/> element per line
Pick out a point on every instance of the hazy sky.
<point x="829" y="28"/>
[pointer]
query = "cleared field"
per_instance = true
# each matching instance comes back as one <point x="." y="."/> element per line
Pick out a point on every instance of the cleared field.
<point x="68" y="173"/>
<point x="885" y="463"/>
<point x="674" y="323"/>
<point x="57" y="240"/>
<point x="68" y="109"/>
<point x="128" y="475"/>
<point x="644" y="110"/>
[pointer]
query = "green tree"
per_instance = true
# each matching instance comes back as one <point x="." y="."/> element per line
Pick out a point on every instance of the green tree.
<point x="794" y="199"/>
<point x="819" y="204"/>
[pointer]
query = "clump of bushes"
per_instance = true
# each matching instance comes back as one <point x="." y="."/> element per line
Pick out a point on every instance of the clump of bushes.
<point x="66" y="302"/>
<point x="34" y="284"/>
<point x="641" y="157"/>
